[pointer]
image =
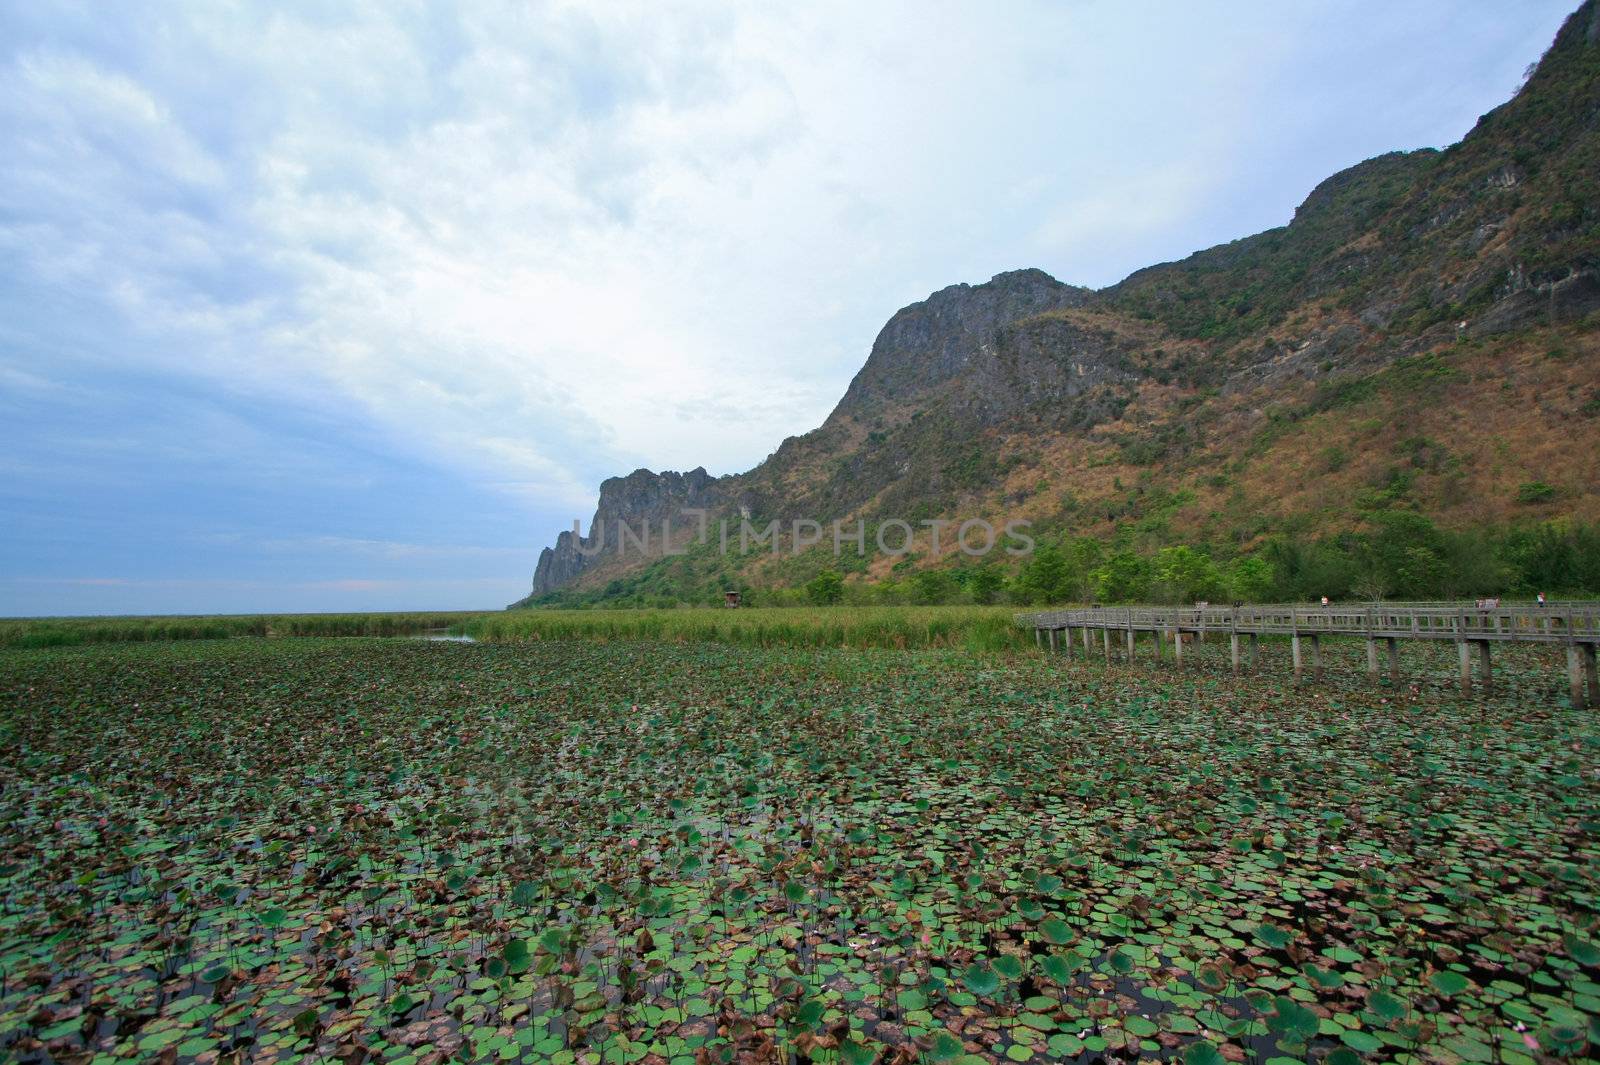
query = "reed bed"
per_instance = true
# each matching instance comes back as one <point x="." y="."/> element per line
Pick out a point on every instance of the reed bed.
<point x="70" y="632"/>
<point x="973" y="628"/>
<point x="967" y="627"/>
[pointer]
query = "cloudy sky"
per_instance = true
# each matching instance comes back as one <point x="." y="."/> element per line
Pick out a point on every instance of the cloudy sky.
<point x="312" y="307"/>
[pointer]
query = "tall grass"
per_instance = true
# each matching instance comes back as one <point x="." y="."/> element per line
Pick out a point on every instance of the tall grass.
<point x="67" y="632"/>
<point x="974" y="628"/>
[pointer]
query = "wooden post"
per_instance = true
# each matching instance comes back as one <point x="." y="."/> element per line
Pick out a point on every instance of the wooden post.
<point x="1464" y="653"/>
<point x="1576" y="688"/>
<point x="1130" y="646"/>
<point x="1591" y="674"/>
<point x="1233" y="651"/>
<point x="1372" y="649"/>
<point x="1052" y="641"/>
<point x="1316" y="656"/>
<point x="1294" y="642"/>
<point x="1106" y="637"/>
<point x="1158" y="638"/>
<point x="1038" y="637"/>
<point x="1255" y="652"/>
<point x="1086" y="642"/>
<point x="1177" y="647"/>
<point x="1483" y="663"/>
<point x="1394" y="659"/>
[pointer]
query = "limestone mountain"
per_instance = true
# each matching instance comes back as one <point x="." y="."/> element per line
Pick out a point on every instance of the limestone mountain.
<point x="1421" y="336"/>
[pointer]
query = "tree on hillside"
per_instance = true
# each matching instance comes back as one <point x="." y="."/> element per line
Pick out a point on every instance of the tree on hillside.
<point x="1084" y="554"/>
<point x="1557" y="556"/>
<point x="1184" y="575"/>
<point x="1060" y="572"/>
<point x="1249" y="579"/>
<point x="1044" y="576"/>
<point x="826" y="588"/>
<point x="1409" y="551"/>
<point x="931" y="587"/>
<point x="983" y="583"/>
<point x="1124" y="577"/>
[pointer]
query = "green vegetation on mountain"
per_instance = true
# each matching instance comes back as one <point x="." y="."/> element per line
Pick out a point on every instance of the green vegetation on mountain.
<point x="1397" y="554"/>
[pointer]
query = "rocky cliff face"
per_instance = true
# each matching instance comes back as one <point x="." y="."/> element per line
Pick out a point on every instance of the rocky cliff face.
<point x="966" y="358"/>
<point x="909" y="434"/>
<point x="948" y="335"/>
<point x="1482" y="249"/>
<point x="638" y="502"/>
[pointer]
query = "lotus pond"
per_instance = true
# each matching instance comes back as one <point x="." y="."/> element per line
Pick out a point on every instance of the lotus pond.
<point x="406" y="851"/>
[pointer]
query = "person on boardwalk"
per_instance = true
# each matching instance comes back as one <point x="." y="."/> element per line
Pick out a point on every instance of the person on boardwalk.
<point x="1541" y="598"/>
<point x="1324" y="602"/>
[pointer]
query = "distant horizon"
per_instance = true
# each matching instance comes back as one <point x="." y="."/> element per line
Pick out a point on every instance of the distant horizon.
<point x="350" y="316"/>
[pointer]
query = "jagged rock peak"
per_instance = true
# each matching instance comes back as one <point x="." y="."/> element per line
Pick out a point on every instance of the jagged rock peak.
<point x="935" y="339"/>
<point x="642" y="498"/>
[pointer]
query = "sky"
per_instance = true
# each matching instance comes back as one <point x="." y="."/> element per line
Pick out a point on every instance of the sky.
<point x="352" y="307"/>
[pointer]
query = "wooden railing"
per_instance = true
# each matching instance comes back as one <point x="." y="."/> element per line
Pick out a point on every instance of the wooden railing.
<point x="1562" y="622"/>
<point x="1473" y="627"/>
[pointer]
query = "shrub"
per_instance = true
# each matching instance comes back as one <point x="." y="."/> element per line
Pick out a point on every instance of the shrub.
<point x="825" y="588"/>
<point x="1535" y="492"/>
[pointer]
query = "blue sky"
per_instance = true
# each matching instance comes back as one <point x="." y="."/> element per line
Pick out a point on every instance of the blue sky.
<point x="305" y="309"/>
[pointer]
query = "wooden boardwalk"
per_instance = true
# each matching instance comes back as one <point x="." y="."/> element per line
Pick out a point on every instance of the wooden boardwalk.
<point x="1471" y="627"/>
